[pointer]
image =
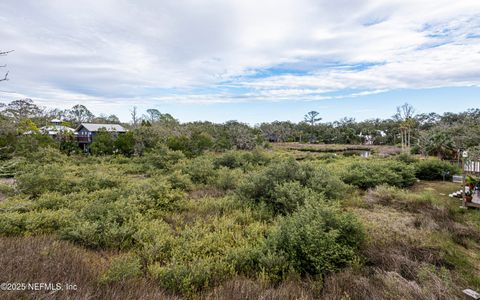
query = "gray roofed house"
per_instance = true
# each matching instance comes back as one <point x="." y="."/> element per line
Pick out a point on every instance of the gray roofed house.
<point x="85" y="132"/>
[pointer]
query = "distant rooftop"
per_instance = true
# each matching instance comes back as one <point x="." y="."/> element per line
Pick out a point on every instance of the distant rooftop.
<point x="96" y="127"/>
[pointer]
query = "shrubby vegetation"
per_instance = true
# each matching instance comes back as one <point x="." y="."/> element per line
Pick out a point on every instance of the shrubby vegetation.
<point x="369" y="173"/>
<point x="434" y="169"/>
<point x="193" y="207"/>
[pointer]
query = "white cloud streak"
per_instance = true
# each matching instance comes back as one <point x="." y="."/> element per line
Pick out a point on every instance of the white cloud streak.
<point x="107" y="52"/>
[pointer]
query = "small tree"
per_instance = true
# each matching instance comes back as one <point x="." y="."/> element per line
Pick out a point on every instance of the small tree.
<point x="103" y="143"/>
<point x="125" y="143"/>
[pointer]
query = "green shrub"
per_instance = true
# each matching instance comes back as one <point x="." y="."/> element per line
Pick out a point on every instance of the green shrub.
<point x="193" y="277"/>
<point x="51" y="200"/>
<point x="228" y="179"/>
<point x="37" y="179"/>
<point x="6" y="190"/>
<point x="12" y="223"/>
<point x="154" y="194"/>
<point x="368" y="173"/>
<point x="103" y="225"/>
<point x="123" y="267"/>
<point x="103" y="143"/>
<point x="47" y="221"/>
<point x="230" y="159"/>
<point x="162" y="158"/>
<point x="201" y="170"/>
<point x="154" y="241"/>
<point x="180" y="181"/>
<point x="318" y="239"/>
<point x="289" y="196"/>
<point x="433" y="169"/>
<point x="263" y="186"/>
<point x="406" y="158"/>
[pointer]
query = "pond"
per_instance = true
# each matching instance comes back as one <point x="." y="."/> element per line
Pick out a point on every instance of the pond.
<point x="362" y="153"/>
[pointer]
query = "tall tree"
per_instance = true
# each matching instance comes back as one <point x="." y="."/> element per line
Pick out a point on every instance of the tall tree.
<point x="154" y="115"/>
<point x="22" y="109"/>
<point x="311" y="117"/>
<point x="135" y="117"/>
<point x="405" y="115"/>
<point x="80" y="114"/>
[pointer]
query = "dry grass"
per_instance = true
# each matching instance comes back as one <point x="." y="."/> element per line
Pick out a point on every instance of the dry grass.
<point x="419" y="247"/>
<point x="379" y="285"/>
<point x="242" y="288"/>
<point x="44" y="259"/>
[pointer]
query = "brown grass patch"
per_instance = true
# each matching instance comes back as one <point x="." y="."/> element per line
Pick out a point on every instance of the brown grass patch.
<point x="242" y="288"/>
<point x="45" y="259"/>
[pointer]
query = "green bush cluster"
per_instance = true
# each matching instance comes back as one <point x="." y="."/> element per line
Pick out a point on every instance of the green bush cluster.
<point x="435" y="169"/>
<point x="318" y="239"/>
<point x="368" y="173"/>
<point x="286" y="184"/>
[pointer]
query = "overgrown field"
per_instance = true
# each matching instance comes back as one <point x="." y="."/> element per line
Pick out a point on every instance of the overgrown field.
<point x="236" y="225"/>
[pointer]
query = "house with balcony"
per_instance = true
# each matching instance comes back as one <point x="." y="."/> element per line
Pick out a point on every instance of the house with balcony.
<point x="86" y="132"/>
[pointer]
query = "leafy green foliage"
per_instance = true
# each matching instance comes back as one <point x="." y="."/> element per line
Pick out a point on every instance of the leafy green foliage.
<point x="318" y="239"/>
<point x="125" y="143"/>
<point x="435" y="169"/>
<point x="369" y="173"/>
<point x="121" y="268"/>
<point x="271" y="185"/>
<point x="103" y="143"/>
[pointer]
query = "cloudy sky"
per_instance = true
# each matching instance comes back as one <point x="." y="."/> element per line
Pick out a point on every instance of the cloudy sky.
<point x="250" y="60"/>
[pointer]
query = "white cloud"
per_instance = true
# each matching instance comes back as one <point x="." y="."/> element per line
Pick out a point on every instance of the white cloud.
<point x="107" y="52"/>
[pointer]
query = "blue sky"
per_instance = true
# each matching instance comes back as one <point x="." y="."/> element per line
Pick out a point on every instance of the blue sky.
<point x="247" y="60"/>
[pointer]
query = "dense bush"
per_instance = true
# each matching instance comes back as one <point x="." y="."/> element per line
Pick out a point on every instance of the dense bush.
<point x="242" y="159"/>
<point x="435" y="169"/>
<point x="37" y="179"/>
<point x="204" y="253"/>
<point x="228" y="179"/>
<point x="318" y="239"/>
<point x="123" y="267"/>
<point x="368" y="173"/>
<point x="271" y="185"/>
<point x="162" y="158"/>
<point x="103" y="224"/>
<point x="201" y="170"/>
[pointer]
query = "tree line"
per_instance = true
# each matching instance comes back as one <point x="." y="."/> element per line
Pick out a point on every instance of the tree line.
<point x="424" y="133"/>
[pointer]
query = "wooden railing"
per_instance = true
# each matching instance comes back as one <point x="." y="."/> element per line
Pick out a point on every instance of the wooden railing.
<point x="84" y="139"/>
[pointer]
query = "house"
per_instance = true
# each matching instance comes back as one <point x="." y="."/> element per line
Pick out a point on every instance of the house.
<point x="85" y="132"/>
<point x="54" y="129"/>
<point x="369" y="139"/>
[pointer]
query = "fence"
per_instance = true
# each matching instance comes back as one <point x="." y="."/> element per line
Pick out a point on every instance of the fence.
<point x="472" y="166"/>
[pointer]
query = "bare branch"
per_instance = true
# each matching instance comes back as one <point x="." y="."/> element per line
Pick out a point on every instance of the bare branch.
<point x="5" y="52"/>
<point x="4" y="78"/>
